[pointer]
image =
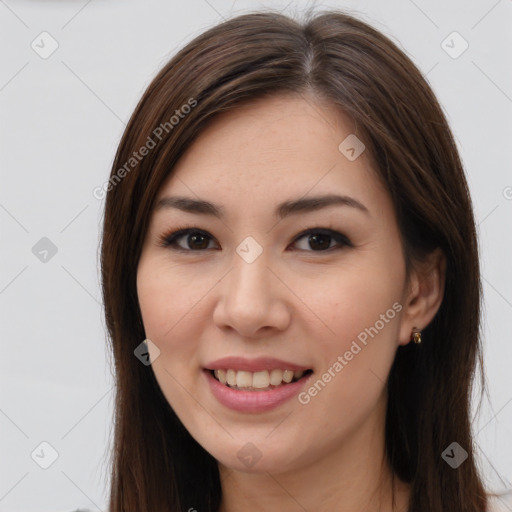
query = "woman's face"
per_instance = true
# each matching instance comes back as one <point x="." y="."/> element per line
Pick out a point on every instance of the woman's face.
<point x="248" y="282"/>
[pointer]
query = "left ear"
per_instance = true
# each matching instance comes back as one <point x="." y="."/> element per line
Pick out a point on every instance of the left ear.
<point x="424" y="294"/>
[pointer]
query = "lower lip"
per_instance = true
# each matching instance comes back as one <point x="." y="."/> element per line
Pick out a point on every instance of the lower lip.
<point x="253" y="401"/>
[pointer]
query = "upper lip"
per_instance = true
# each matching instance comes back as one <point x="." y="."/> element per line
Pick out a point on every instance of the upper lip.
<point x="253" y="365"/>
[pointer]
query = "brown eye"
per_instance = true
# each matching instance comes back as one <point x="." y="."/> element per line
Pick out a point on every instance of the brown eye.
<point x="197" y="241"/>
<point x="320" y="240"/>
<point x="187" y="240"/>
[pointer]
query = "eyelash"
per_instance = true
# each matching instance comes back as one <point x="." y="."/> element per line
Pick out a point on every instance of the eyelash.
<point x="169" y="239"/>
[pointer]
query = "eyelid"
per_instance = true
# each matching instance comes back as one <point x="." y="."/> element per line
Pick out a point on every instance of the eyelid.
<point x="168" y="239"/>
<point x="336" y="235"/>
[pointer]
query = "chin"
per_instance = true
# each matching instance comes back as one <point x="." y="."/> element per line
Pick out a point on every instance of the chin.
<point x="255" y="458"/>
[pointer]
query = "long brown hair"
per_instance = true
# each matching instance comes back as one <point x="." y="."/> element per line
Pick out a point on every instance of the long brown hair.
<point x="156" y="464"/>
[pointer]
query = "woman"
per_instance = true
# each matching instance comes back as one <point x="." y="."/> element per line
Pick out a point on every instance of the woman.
<point x="289" y="230"/>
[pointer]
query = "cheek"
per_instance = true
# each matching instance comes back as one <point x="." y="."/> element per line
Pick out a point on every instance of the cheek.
<point x="356" y="301"/>
<point x="354" y="362"/>
<point x="154" y="300"/>
<point x="166" y="297"/>
<point x="168" y="318"/>
<point x="360" y="312"/>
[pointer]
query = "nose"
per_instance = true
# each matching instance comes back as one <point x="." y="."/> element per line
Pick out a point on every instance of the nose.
<point x="252" y="300"/>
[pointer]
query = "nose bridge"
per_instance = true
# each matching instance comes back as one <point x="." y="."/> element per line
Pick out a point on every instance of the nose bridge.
<point x="250" y="296"/>
<point x="249" y="281"/>
<point x="250" y="263"/>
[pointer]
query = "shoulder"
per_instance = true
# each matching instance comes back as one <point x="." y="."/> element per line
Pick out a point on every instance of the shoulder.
<point x="500" y="502"/>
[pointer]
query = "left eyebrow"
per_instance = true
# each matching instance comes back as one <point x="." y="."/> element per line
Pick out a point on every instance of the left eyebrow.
<point x="303" y="205"/>
<point x="311" y="204"/>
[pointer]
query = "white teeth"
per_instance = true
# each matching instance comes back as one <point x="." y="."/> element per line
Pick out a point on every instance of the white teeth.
<point x="260" y="379"/>
<point x="221" y="375"/>
<point x="256" y="380"/>
<point x="287" y="376"/>
<point x="276" y="376"/>
<point x="244" y="379"/>
<point x="231" y="377"/>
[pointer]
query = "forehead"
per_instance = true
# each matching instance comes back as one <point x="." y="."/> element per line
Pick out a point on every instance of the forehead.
<point x="273" y="149"/>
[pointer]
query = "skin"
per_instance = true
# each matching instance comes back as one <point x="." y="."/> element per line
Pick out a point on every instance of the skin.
<point x="294" y="302"/>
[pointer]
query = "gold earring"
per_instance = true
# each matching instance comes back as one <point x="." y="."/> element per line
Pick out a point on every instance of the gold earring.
<point x="416" y="335"/>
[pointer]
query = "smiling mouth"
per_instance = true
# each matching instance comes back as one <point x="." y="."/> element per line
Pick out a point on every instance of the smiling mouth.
<point x="258" y="381"/>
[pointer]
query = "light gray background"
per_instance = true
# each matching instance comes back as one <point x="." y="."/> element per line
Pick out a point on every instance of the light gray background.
<point x="61" y="120"/>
